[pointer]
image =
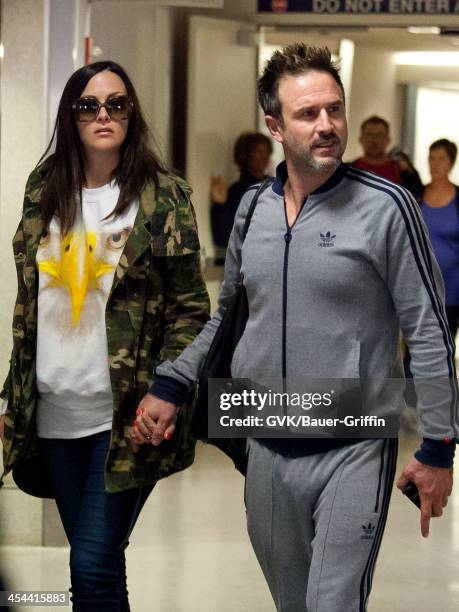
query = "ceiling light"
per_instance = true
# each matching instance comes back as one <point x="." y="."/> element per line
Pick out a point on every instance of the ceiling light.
<point x="423" y="30"/>
<point x="427" y="58"/>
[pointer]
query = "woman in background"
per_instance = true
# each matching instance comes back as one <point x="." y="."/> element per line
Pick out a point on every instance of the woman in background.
<point x="107" y="256"/>
<point x="440" y="209"/>
<point x="252" y="154"/>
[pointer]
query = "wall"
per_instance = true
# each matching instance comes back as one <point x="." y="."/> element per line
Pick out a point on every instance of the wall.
<point x="374" y="92"/>
<point x="431" y="126"/>
<point x="140" y="39"/>
<point x="23" y="133"/>
<point x="221" y="105"/>
<point x="23" y="137"/>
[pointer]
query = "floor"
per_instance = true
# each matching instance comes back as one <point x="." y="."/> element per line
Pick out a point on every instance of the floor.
<point x="190" y="552"/>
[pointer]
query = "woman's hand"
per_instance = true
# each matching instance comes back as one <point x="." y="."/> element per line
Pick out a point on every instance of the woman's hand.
<point x="218" y="190"/>
<point x="154" y="423"/>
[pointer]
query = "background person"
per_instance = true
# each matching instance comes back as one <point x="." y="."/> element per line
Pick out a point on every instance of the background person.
<point x="107" y="256"/>
<point x="375" y="139"/>
<point x="440" y="209"/>
<point x="252" y="154"/>
<point x="396" y="166"/>
<point x="409" y="176"/>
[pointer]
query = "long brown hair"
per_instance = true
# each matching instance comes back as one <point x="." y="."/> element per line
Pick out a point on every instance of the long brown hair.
<point x="64" y="169"/>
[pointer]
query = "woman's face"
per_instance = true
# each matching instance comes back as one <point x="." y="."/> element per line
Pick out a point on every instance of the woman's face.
<point x="103" y="134"/>
<point x="439" y="163"/>
<point x="259" y="159"/>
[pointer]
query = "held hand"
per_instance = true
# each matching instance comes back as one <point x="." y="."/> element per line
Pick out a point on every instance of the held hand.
<point x="154" y="423"/>
<point x="434" y="485"/>
<point x="218" y="190"/>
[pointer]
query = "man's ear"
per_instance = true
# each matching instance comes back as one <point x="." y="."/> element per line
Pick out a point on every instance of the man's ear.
<point x="274" y="127"/>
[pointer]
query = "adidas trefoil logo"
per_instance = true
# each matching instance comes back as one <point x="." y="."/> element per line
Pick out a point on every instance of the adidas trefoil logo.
<point x="368" y="531"/>
<point x="327" y="240"/>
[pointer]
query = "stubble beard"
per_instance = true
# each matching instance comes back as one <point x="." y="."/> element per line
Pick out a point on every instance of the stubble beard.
<point x="305" y="159"/>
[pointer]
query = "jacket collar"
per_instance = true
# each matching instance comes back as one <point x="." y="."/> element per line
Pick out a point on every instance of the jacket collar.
<point x="282" y="176"/>
<point x="140" y="238"/>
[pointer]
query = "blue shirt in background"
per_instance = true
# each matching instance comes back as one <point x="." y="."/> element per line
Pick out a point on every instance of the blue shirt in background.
<point x="443" y="225"/>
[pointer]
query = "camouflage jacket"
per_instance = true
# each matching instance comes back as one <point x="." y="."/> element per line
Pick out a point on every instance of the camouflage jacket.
<point x="157" y="305"/>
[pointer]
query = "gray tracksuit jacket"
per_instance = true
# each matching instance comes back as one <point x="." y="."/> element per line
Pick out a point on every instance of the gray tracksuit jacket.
<point x="329" y="295"/>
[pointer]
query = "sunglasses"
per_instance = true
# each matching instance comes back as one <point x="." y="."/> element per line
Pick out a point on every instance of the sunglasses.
<point x="88" y="108"/>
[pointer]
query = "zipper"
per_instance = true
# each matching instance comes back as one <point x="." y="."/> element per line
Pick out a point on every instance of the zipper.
<point x="288" y="238"/>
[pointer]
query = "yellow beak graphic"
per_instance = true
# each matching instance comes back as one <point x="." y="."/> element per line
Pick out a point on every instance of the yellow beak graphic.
<point x="77" y="270"/>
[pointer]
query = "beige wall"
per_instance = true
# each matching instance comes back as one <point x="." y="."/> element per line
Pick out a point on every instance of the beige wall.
<point x="140" y="40"/>
<point x="221" y="105"/>
<point x="23" y="134"/>
<point x="374" y="92"/>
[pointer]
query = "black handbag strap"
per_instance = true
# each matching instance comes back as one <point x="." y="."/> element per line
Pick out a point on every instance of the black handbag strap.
<point x="266" y="183"/>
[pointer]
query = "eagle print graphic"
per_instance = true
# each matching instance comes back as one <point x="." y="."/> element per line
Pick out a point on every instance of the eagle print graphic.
<point x="76" y="266"/>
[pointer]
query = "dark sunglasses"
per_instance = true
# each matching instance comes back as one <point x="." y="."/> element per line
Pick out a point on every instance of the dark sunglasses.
<point x="88" y="108"/>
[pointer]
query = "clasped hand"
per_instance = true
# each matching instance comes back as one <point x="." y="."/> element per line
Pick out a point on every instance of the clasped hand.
<point x="155" y="422"/>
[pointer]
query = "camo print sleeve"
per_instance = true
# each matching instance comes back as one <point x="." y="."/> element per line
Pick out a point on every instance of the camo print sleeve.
<point x="176" y="252"/>
<point x="186" y="304"/>
<point x="185" y="369"/>
<point x="19" y="249"/>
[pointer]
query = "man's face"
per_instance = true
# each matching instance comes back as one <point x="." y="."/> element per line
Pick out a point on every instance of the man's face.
<point x="313" y="130"/>
<point x="374" y="140"/>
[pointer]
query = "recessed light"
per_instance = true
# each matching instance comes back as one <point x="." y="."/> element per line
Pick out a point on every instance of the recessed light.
<point x="423" y="30"/>
<point x="427" y="58"/>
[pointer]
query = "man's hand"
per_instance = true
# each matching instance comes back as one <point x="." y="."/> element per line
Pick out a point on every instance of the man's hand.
<point x="154" y="423"/>
<point x="434" y="485"/>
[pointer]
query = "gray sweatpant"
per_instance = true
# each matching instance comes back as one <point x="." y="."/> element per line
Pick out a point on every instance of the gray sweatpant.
<point x="316" y="522"/>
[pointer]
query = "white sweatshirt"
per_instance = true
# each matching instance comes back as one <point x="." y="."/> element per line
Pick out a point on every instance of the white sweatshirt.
<point x="75" y="278"/>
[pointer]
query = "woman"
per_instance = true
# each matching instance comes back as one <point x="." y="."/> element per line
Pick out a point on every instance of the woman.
<point x="440" y="209"/>
<point x="252" y="153"/>
<point x="108" y="264"/>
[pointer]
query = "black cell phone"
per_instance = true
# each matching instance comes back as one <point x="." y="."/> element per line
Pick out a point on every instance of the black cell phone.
<point x="411" y="491"/>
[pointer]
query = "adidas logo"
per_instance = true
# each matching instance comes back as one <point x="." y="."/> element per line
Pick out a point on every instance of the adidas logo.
<point x="368" y="531"/>
<point x="327" y="239"/>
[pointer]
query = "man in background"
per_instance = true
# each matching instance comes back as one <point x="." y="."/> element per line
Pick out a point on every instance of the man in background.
<point x="375" y="139"/>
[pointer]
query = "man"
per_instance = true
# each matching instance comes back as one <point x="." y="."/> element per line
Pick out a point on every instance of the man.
<point x="316" y="508"/>
<point x="375" y="138"/>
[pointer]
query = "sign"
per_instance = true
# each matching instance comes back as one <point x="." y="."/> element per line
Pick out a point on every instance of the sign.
<point x="361" y="7"/>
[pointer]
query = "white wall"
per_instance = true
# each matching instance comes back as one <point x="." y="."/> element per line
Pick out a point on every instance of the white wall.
<point x="433" y="124"/>
<point x="221" y="105"/>
<point x="139" y="38"/>
<point x="23" y="137"/>
<point x="23" y="134"/>
<point x="374" y="92"/>
<point x="66" y="32"/>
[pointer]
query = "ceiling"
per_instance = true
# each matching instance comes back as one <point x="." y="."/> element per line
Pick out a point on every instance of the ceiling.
<point x="384" y="38"/>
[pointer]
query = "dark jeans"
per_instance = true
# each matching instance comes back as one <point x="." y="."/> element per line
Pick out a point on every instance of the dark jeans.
<point x="97" y="524"/>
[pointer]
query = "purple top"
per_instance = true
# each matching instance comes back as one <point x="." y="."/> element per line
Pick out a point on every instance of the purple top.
<point x="443" y="225"/>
